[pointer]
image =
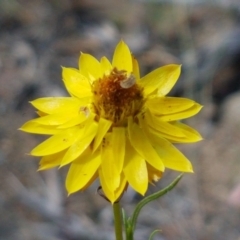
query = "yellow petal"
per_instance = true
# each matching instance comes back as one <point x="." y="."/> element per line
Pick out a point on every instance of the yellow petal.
<point x="106" y="65"/>
<point x="55" y="119"/>
<point x="172" y="158"/>
<point x="112" y="196"/>
<point x="163" y="79"/>
<point x="76" y="83"/>
<point x="109" y="169"/>
<point x="186" y="137"/>
<point x="41" y="114"/>
<point x="135" y="170"/>
<point x="81" y="172"/>
<point x="135" y="65"/>
<point x="75" y="120"/>
<point x="182" y="115"/>
<point x="142" y="145"/>
<point x="190" y="134"/>
<point x="51" y="161"/>
<point x="103" y="127"/>
<point x="122" y="59"/>
<point x="53" y="105"/>
<point x="164" y="127"/>
<point x="90" y="67"/>
<point x="122" y="187"/>
<point x="93" y="178"/>
<point x="118" y="144"/>
<point x="81" y="144"/>
<point x="33" y="127"/>
<point x="169" y="105"/>
<point x="57" y="142"/>
<point x="153" y="174"/>
<point x="176" y="139"/>
<point x="108" y="193"/>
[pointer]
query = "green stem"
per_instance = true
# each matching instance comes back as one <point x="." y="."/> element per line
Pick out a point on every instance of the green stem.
<point x="117" y="221"/>
<point x="150" y="198"/>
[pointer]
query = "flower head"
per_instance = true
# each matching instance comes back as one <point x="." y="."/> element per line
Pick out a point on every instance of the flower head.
<point x="115" y="125"/>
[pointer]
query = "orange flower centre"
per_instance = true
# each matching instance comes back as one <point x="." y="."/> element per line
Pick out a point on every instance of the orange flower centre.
<point x="117" y="96"/>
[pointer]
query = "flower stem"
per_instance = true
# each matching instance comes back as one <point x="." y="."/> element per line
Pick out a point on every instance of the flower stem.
<point x="117" y="221"/>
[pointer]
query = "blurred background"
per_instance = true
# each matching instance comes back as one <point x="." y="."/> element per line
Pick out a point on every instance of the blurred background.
<point x="38" y="37"/>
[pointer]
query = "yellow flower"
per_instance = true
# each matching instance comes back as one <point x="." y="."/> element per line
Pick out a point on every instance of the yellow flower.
<point x="115" y="125"/>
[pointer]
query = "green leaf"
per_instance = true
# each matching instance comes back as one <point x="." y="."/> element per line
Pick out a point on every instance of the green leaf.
<point x="150" y="198"/>
<point x="153" y="233"/>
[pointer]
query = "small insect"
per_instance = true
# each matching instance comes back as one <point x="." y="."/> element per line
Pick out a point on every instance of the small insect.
<point x="85" y="111"/>
<point x="129" y="82"/>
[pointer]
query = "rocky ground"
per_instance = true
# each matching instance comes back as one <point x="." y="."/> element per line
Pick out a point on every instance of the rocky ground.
<point x="38" y="37"/>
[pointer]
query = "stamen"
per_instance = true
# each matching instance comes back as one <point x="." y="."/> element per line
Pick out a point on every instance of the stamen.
<point x="117" y="96"/>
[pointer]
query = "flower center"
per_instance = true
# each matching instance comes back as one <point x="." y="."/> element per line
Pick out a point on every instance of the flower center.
<point x="117" y="96"/>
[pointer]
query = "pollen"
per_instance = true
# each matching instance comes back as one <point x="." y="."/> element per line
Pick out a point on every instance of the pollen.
<point x="117" y="96"/>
